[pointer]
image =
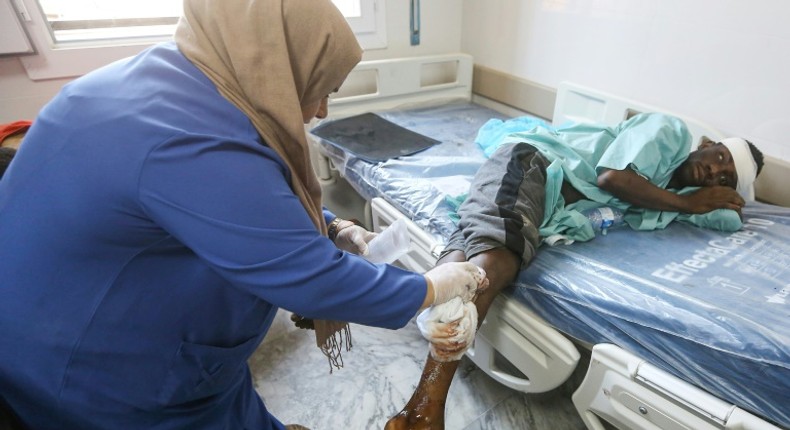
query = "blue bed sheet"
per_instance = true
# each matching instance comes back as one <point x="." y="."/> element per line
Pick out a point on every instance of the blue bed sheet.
<point x="711" y="307"/>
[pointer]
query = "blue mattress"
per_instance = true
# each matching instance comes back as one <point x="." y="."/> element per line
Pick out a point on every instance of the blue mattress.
<point x="711" y="307"/>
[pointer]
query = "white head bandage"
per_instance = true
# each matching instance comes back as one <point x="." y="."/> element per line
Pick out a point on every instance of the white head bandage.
<point x="745" y="166"/>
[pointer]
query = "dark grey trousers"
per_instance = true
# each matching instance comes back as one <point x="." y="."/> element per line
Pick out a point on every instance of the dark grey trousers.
<point x="505" y="204"/>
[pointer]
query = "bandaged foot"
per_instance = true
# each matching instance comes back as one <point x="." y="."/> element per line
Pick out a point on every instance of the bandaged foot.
<point x="450" y="328"/>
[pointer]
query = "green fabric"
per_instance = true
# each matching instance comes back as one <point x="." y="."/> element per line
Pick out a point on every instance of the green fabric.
<point x="455" y="202"/>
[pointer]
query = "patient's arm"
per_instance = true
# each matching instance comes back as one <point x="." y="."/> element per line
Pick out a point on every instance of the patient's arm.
<point x="425" y="409"/>
<point x="629" y="187"/>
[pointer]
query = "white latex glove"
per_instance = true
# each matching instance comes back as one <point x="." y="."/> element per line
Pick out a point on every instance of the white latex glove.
<point x="450" y="328"/>
<point x="457" y="279"/>
<point x="354" y="239"/>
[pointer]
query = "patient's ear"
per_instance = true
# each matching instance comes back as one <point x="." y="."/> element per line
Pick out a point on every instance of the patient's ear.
<point x="705" y="142"/>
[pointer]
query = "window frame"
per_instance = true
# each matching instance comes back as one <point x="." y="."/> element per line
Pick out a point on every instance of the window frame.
<point x="370" y="28"/>
<point x="78" y="58"/>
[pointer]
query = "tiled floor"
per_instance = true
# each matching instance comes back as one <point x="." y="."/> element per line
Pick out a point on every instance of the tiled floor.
<point x="379" y="376"/>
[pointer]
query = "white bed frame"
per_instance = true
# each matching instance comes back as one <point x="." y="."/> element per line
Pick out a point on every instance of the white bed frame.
<point x="619" y="387"/>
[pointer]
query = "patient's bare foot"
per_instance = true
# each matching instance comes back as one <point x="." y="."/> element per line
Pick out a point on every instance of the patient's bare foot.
<point x="425" y="409"/>
<point x="406" y="420"/>
<point x="426" y="416"/>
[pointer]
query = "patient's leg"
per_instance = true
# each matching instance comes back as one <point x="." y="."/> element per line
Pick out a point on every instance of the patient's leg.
<point x="425" y="409"/>
<point x="505" y="206"/>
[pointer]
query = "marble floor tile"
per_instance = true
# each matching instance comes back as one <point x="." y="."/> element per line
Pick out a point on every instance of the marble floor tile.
<point x="530" y="411"/>
<point x="379" y="375"/>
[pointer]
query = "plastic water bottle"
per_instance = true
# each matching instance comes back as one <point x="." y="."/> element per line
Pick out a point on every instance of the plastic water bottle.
<point x="604" y="218"/>
<point x="390" y="244"/>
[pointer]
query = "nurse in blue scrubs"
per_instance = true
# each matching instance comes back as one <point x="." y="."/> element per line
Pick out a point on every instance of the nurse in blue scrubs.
<point x="161" y="210"/>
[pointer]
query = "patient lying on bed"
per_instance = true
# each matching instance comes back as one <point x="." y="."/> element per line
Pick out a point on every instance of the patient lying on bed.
<point x="535" y="182"/>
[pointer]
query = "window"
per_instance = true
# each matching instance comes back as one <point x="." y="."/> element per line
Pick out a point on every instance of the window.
<point x="349" y="8"/>
<point x="366" y="17"/>
<point x="76" y="36"/>
<point x="103" y="20"/>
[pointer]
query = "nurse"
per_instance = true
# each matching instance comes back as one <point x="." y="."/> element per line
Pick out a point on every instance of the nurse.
<point x="164" y="207"/>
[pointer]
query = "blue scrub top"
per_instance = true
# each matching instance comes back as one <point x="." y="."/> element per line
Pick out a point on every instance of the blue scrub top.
<point x="147" y="238"/>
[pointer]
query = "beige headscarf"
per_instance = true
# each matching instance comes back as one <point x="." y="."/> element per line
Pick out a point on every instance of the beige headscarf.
<point x="269" y="58"/>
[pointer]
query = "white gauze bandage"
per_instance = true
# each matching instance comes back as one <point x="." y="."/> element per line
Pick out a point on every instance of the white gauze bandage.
<point x="449" y="327"/>
<point x="745" y="166"/>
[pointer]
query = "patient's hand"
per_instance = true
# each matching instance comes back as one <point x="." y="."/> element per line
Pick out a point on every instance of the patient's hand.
<point x="707" y="199"/>
<point x="450" y="328"/>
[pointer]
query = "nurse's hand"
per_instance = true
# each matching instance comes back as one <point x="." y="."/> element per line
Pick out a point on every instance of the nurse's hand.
<point x="456" y="279"/>
<point x="353" y="238"/>
<point x="450" y="328"/>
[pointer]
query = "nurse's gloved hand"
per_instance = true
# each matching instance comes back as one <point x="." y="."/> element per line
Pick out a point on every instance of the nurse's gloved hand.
<point x="353" y="238"/>
<point x="457" y="279"/>
<point x="450" y="328"/>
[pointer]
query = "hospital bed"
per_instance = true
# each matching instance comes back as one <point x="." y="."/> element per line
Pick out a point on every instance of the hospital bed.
<point x="688" y="328"/>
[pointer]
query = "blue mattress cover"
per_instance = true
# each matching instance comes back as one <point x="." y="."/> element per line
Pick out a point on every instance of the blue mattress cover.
<point x="711" y="307"/>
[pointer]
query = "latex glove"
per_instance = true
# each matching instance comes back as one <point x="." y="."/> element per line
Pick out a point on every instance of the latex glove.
<point x="450" y="328"/>
<point x="457" y="279"/>
<point x="354" y="239"/>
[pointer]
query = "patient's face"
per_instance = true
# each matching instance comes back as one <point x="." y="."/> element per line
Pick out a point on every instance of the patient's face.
<point x="711" y="164"/>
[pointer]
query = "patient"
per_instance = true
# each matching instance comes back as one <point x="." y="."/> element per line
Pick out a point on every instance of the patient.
<point x="503" y="220"/>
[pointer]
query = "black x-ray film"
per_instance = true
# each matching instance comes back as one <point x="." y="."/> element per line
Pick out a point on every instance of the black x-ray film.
<point x="372" y="138"/>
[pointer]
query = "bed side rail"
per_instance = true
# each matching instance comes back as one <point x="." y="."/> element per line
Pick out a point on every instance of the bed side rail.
<point x="391" y="83"/>
<point x="628" y="392"/>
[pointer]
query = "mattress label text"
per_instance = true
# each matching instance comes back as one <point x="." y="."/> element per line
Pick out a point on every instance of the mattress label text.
<point x="680" y="271"/>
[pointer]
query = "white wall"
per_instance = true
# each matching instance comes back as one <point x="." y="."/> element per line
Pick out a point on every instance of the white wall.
<point x="440" y="30"/>
<point x="22" y="98"/>
<point x="725" y="62"/>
